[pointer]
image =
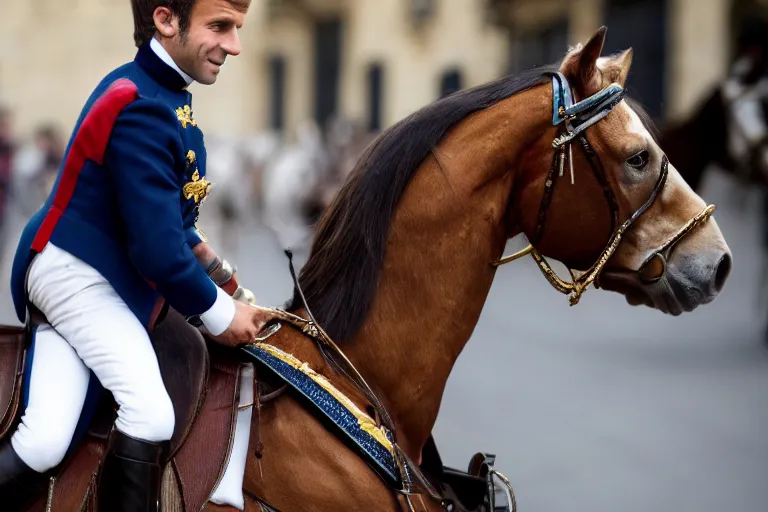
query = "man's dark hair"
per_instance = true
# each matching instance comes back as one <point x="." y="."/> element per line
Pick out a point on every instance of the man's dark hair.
<point x="144" y="24"/>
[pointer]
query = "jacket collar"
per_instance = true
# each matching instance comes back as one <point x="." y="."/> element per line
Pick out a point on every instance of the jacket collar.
<point x="160" y="71"/>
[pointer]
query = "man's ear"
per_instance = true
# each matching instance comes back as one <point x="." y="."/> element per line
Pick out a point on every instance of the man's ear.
<point x="165" y="22"/>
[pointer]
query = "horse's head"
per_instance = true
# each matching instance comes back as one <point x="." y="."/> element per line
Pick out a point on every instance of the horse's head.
<point x="627" y="216"/>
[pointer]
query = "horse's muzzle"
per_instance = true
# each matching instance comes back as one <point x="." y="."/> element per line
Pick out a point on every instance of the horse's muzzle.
<point x="692" y="279"/>
<point x="680" y="284"/>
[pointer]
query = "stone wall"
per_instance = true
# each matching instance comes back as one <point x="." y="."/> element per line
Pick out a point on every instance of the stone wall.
<point x="52" y="53"/>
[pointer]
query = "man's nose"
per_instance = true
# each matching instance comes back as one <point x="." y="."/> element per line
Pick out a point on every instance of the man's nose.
<point x="232" y="44"/>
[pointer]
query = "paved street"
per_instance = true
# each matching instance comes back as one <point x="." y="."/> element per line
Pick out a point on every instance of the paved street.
<point x="602" y="407"/>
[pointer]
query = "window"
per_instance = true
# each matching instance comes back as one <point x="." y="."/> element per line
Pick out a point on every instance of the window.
<point x="450" y="82"/>
<point x="327" y="68"/>
<point x="421" y="11"/>
<point x="642" y="25"/>
<point x="277" y="92"/>
<point x="375" y="84"/>
<point x="536" y="49"/>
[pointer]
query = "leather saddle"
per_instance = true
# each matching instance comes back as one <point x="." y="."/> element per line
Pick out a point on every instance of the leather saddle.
<point x="12" y="359"/>
<point x="203" y="381"/>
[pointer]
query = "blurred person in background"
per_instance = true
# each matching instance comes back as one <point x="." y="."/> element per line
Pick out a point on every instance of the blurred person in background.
<point x="6" y="161"/>
<point x="114" y="245"/>
<point x="35" y="167"/>
<point x="347" y="141"/>
<point x="7" y="155"/>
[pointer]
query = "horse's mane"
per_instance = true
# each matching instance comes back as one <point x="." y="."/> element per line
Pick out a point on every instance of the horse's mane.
<point x="341" y="276"/>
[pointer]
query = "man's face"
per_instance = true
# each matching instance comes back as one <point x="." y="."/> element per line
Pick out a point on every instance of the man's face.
<point x="212" y="35"/>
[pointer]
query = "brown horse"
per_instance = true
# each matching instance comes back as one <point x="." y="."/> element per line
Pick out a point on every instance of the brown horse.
<point x="405" y="256"/>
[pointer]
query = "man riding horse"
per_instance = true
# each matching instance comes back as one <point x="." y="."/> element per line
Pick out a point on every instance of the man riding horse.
<point x="344" y="426"/>
<point x="114" y="246"/>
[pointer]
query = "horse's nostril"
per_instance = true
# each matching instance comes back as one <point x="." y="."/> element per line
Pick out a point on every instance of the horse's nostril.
<point x="723" y="270"/>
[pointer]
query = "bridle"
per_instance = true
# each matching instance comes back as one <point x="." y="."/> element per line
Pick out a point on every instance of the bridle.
<point x="575" y="118"/>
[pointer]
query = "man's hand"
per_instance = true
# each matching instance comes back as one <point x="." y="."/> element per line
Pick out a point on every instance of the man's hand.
<point x="246" y="325"/>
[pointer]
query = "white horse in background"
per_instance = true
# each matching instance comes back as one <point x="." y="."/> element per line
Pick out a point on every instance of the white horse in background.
<point x="347" y="141"/>
<point x="235" y="165"/>
<point x="290" y="187"/>
<point x="285" y="183"/>
<point x="306" y="175"/>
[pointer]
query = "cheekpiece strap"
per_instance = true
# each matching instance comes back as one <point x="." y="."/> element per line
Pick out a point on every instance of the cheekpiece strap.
<point x="562" y="98"/>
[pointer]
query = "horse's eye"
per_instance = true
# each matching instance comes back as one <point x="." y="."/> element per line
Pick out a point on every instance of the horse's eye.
<point x="639" y="161"/>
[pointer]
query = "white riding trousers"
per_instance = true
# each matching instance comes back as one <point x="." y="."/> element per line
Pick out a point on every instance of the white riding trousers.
<point x="90" y="327"/>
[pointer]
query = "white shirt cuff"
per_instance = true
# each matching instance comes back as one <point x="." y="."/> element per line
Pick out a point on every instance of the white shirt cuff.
<point x="220" y="315"/>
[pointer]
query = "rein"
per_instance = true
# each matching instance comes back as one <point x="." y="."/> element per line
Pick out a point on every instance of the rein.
<point x="413" y="481"/>
<point x="575" y="119"/>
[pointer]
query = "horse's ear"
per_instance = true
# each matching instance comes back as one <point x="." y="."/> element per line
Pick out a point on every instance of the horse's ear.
<point x="580" y="65"/>
<point x="616" y="67"/>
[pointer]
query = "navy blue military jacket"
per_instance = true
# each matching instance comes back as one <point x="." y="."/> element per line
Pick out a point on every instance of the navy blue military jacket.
<point x="127" y="195"/>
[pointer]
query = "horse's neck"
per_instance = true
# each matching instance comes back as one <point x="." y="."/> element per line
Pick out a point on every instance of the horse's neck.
<point x="449" y="226"/>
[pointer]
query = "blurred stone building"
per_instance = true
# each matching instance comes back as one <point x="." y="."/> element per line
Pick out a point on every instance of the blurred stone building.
<point x="370" y="60"/>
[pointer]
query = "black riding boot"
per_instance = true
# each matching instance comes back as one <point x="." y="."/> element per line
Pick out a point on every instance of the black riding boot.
<point x="130" y="478"/>
<point x="19" y="484"/>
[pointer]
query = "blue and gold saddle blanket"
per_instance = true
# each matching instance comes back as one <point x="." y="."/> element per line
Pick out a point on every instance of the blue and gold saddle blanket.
<point x="374" y="442"/>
